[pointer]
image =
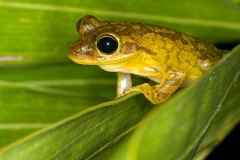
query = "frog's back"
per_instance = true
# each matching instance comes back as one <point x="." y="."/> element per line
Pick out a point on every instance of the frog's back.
<point x="180" y="51"/>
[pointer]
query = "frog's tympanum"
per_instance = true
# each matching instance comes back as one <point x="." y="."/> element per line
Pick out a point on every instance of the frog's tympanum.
<point x="157" y="53"/>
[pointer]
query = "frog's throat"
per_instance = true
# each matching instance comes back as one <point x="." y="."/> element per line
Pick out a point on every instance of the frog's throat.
<point x="98" y="63"/>
<point x="114" y="68"/>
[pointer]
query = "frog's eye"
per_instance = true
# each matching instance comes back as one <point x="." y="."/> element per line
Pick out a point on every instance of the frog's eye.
<point x="107" y="44"/>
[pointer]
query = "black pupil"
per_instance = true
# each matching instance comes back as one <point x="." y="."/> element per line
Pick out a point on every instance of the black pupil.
<point x="107" y="45"/>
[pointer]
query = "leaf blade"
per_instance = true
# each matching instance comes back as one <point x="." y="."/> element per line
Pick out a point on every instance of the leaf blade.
<point x="30" y="100"/>
<point x="72" y="126"/>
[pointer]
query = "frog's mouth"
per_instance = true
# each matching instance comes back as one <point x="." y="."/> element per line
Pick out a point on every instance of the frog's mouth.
<point x="93" y="59"/>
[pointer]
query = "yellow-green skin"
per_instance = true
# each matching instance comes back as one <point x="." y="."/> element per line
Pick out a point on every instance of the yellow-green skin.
<point x="160" y="54"/>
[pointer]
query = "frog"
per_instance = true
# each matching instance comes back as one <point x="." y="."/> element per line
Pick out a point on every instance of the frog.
<point x="167" y="57"/>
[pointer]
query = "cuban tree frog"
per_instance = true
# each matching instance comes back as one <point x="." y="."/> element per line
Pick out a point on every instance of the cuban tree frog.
<point x="160" y="54"/>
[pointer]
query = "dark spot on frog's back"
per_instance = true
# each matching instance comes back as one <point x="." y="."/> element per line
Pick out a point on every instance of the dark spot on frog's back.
<point x="172" y="37"/>
<point x="166" y="58"/>
<point x="184" y="42"/>
<point x="148" y="51"/>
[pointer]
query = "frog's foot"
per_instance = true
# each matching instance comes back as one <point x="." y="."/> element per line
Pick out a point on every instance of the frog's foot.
<point x="160" y="92"/>
<point x="148" y="91"/>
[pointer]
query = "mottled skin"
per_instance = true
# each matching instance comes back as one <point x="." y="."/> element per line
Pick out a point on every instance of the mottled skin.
<point x="160" y="54"/>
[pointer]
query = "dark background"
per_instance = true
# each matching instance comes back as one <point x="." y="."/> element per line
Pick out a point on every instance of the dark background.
<point x="229" y="149"/>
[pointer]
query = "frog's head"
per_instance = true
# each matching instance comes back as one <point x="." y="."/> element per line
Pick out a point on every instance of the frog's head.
<point x="101" y="43"/>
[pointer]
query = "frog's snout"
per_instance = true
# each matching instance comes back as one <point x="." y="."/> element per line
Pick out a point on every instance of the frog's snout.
<point x="81" y="48"/>
<point x="81" y="52"/>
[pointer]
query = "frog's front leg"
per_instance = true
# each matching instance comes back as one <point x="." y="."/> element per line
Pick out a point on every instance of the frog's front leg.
<point x="170" y="82"/>
<point x="123" y="83"/>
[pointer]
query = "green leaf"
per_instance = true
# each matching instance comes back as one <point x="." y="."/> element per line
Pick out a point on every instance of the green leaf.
<point x="88" y="132"/>
<point x="42" y="31"/>
<point x="35" y="97"/>
<point x="172" y="130"/>
<point x="38" y="86"/>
